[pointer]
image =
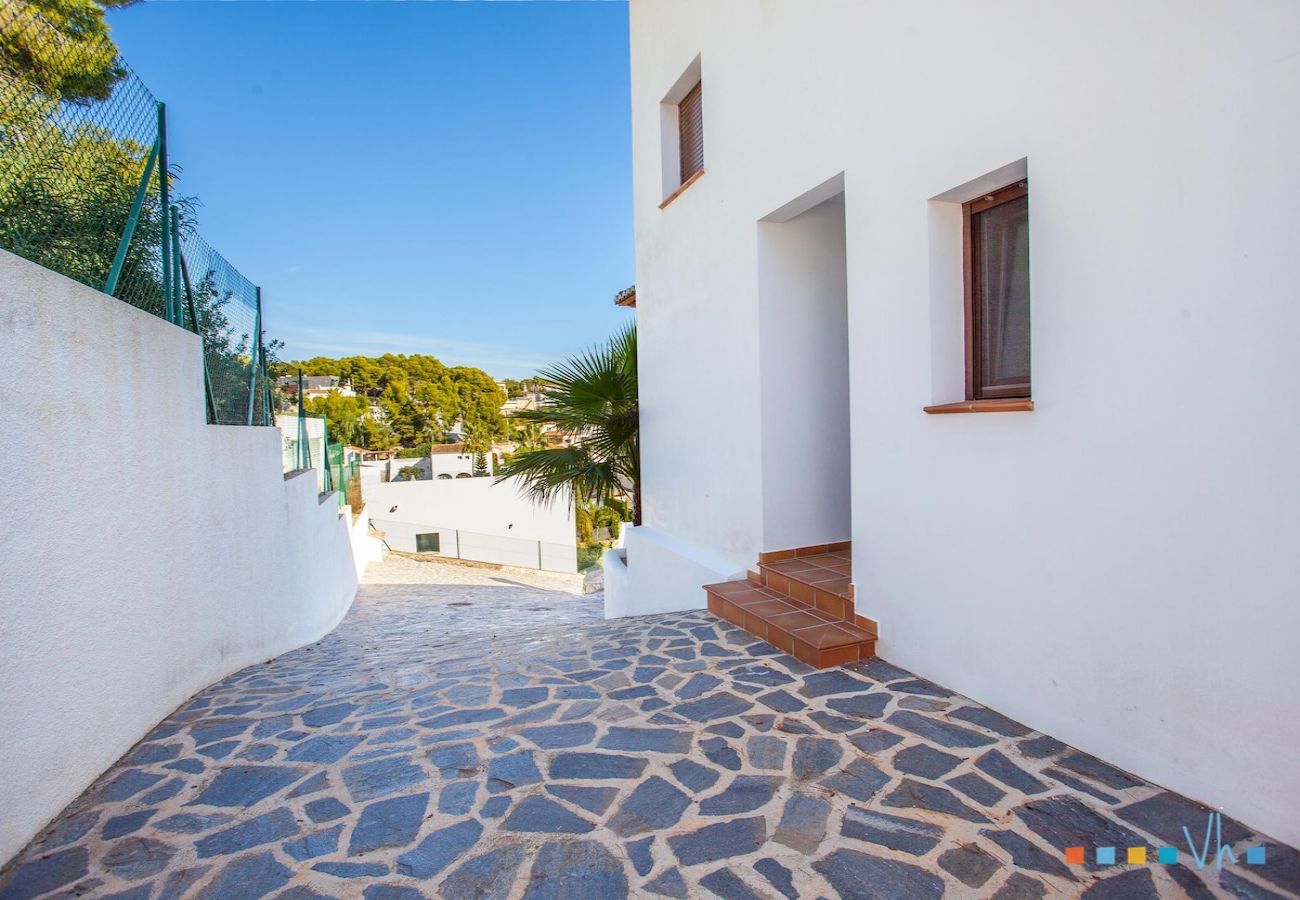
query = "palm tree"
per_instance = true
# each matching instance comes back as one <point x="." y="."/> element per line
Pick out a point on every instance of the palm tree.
<point x="593" y="398"/>
<point x="529" y="437"/>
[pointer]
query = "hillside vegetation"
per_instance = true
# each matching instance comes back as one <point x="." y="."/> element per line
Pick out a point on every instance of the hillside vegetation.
<point x="405" y="401"/>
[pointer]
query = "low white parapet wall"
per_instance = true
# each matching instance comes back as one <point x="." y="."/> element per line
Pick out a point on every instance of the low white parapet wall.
<point x="366" y="547"/>
<point x="161" y="555"/>
<point x="476" y="519"/>
<point x="654" y="572"/>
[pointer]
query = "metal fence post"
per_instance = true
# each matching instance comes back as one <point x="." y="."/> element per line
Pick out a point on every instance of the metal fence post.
<point x="257" y="344"/>
<point x="177" y="305"/>
<point x="190" y="309"/>
<point x="198" y="329"/>
<point x="304" y="451"/>
<point x="164" y="200"/>
<point x="327" y="471"/>
<point x="176" y="267"/>
<point x="119" y="259"/>
<point x="268" y="401"/>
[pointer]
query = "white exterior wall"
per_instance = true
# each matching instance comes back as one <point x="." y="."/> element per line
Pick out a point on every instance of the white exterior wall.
<point x="451" y="464"/>
<point x="366" y="548"/>
<point x="498" y="523"/>
<point x="437" y="464"/>
<point x="164" y="555"/>
<point x="661" y="573"/>
<point x="1119" y="567"/>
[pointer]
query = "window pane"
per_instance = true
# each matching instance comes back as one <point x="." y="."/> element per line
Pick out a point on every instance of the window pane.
<point x="1003" y="265"/>
<point x="428" y="543"/>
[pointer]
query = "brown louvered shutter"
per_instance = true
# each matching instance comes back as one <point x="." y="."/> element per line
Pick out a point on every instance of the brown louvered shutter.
<point x="690" y="128"/>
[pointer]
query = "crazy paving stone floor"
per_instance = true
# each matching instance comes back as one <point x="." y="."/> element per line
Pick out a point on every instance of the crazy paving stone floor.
<point x="473" y="736"/>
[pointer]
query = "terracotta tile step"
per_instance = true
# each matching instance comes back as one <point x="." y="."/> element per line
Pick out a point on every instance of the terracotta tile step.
<point x="816" y="550"/>
<point x="810" y="634"/>
<point x="821" y="582"/>
<point x="830" y="571"/>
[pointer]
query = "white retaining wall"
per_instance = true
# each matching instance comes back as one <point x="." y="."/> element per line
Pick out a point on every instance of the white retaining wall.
<point x="497" y="523"/>
<point x="366" y="548"/>
<point x="163" y="555"/>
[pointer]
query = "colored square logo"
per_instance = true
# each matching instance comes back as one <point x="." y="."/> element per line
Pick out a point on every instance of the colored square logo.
<point x="1105" y="856"/>
<point x="1137" y="856"/>
<point x="1074" y="856"/>
<point x="1168" y="856"/>
<point x="1255" y="855"/>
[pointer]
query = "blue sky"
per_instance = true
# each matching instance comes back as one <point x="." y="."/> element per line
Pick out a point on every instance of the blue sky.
<point x="440" y="177"/>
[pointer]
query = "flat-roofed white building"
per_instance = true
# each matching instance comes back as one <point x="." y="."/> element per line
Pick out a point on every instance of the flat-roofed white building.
<point x="1004" y="294"/>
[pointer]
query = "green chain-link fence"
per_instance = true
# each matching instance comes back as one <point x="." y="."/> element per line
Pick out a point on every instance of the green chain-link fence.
<point x="225" y="308"/>
<point x="306" y="446"/>
<point x="83" y="154"/>
<point x="343" y="476"/>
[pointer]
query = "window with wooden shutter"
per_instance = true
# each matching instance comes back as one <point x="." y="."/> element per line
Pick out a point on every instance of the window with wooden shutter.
<point x="690" y="130"/>
<point x="997" y="294"/>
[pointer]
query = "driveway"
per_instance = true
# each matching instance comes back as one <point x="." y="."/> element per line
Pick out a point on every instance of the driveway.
<point x="470" y="733"/>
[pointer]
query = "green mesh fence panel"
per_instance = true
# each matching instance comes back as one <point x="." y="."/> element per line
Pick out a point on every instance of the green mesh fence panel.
<point x="77" y="129"/>
<point x="344" y="476"/>
<point x="220" y="305"/>
<point x="290" y="453"/>
<point x="352" y="495"/>
<point x="78" y="133"/>
<point x="337" y="479"/>
<point x="311" y="453"/>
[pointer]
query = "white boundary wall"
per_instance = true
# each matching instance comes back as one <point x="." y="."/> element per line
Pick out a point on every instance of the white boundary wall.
<point x="161" y="556"/>
<point x="366" y="548"/>
<point x="498" y="523"/>
<point x="1119" y="567"/>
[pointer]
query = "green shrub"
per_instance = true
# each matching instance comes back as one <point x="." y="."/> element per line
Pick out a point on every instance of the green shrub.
<point x="589" y="556"/>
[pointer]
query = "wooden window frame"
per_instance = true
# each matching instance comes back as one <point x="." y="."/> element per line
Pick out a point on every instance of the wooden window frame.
<point x="970" y="224"/>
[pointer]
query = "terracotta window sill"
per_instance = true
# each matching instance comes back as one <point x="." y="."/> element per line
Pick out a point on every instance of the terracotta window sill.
<point x="1019" y="404"/>
<point x="680" y="188"/>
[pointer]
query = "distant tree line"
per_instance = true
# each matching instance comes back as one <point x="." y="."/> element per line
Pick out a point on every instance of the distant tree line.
<point x="406" y="402"/>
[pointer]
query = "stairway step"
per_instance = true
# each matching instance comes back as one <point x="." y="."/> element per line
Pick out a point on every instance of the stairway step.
<point x="816" y="550"/>
<point x="822" y="581"/>
<point x="829" y="572"/>
<point x="806" y="632"/>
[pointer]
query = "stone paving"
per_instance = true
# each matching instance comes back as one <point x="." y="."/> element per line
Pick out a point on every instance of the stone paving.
<point x="520" y="747"/>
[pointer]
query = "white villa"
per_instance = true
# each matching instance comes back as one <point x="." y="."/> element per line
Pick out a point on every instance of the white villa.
<point x="874" y="212"/>
<point x="314" y="386"/>
<point x="444" y="461"/>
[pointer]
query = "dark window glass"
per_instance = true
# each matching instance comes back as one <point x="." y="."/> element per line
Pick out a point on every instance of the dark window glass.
<point x="428" y="543"/>
<point x="998" y="236"/>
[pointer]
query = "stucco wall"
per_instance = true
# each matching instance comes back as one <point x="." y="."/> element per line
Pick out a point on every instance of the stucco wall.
<point x="366" y="548"/>
<point x="1117" y="567"/>
<point x="431" y="467"/>
<point x="661" y="573"/>
<point x="497" y="523"/>
<point x="162" y="555"/>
